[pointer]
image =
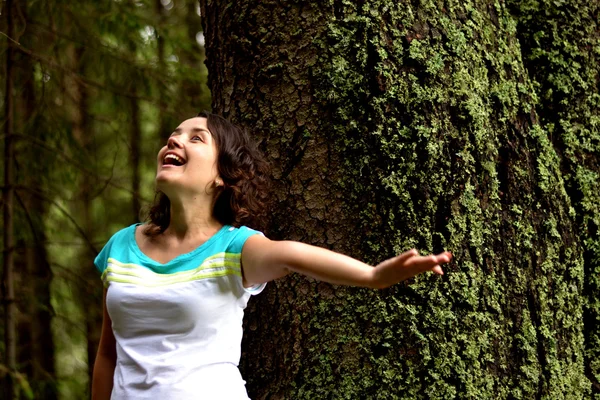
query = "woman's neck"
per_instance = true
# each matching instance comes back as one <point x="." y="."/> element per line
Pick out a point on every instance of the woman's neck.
<point x="192" y="219"/>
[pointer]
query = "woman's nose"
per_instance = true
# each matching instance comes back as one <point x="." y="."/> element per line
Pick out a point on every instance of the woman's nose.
<point x="173" y="142"/>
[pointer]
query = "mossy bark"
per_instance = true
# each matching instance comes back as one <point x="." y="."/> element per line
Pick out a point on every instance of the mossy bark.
<point x="391" y="126"/>
<point x="561" y="47"/>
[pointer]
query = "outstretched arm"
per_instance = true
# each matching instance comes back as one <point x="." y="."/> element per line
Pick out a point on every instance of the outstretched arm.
<point x="264" y="260"/>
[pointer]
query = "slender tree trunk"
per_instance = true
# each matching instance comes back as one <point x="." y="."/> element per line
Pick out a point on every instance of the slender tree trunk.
<point x="82" y="132"/>
<point x="43" y="377"/>
<point x="135" y="138"/>
<point x="10" y="340"/>
<point x="192" y="59"/>
<point x="35" y="340"/>
<point x="163" y="124"/>
<point x="391" y="126"/>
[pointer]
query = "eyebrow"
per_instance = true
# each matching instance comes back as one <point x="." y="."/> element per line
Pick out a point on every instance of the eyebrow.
<point x="194" y="130"/>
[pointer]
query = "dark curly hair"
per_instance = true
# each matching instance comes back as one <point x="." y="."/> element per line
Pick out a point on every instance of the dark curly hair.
<point x="242" y="200"/>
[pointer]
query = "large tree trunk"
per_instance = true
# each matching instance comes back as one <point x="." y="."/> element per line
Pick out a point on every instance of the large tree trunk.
<point x="560" y="43"/>
<point x="392" y="126"/>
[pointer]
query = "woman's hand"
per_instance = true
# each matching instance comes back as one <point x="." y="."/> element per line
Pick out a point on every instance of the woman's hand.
<point x="407" y="265"/>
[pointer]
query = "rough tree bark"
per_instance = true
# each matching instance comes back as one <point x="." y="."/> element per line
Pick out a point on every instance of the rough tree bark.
<point x="561" y="46"/>
<point x="393" y="125"/>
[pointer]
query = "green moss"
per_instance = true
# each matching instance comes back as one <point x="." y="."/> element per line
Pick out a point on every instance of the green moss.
<point x="438" y="135"/>
<point x="562" y="47"/>
<point x="435" y="116"/>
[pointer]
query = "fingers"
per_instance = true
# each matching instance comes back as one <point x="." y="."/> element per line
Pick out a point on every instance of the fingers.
<point x="431" y="262"/>
<point x="407" y="265"/>
<point x="424" y="262"/>
<point x="444" y="257"/>
<point x="402" y="258"/>
<point x="441" y="258"/>
<point x="412" y="259"/>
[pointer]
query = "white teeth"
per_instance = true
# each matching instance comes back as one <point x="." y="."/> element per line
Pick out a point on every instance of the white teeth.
<point x="174" y="157"/>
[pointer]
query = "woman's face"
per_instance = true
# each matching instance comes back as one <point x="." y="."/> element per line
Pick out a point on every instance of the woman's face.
<point x="188" y="163"/>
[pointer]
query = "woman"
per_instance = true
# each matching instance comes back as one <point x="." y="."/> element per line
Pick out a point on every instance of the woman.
<point x="176" y="287"/>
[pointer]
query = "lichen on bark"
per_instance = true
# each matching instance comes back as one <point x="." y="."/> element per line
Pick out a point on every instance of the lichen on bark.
<point x="562" y="54"/>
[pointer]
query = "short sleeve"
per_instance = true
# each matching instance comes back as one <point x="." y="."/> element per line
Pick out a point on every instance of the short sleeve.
<point x="256" y="289"/>
<point x="101" y="260"/>
<point x="242" y="234"/>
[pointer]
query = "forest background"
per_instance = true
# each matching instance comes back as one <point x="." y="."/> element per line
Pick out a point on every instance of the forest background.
<point x="471" y="126"/>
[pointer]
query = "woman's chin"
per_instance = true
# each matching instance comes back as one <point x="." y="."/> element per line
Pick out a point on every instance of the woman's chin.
<point x="163" y="184"/>
<point x="171" y="187"/>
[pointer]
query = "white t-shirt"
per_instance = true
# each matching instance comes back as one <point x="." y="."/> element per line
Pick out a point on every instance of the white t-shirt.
<point x="178" y="326"/>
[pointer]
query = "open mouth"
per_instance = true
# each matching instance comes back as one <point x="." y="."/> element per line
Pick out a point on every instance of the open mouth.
<point x="173" y="159"/>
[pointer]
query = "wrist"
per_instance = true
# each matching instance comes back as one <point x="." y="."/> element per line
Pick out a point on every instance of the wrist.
<point x="374" y="281"/>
